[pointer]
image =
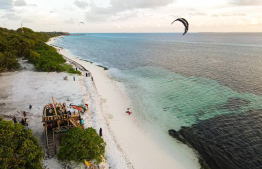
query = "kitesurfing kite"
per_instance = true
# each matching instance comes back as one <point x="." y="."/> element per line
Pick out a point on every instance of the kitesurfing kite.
<point x="185" y="23"/>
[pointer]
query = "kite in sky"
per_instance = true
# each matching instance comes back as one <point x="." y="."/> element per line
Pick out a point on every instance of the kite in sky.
<point x="185" y="23"/>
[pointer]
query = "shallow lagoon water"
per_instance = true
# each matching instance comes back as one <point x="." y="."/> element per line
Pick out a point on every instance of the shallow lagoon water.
<point x="175" y="80"/>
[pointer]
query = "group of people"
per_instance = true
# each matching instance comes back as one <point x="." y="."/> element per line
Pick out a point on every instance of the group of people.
<point x="88" y="74"/>
<point x="60" y="107"/>
<point x="23" y="120"/>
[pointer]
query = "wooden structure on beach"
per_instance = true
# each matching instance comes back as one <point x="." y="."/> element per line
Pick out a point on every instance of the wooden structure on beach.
<point x="56" y="119"/>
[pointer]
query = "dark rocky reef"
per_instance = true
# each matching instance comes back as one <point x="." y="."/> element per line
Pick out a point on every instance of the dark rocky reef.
<point x="232" y="141"/>
<point x="235" y="103"/>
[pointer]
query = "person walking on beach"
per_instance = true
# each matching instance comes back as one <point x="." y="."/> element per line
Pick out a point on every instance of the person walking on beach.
<point x="14" y="119"/>
<point x="86" y="74"/>
<point x="76" y="68"/>
<point x="128" y="112"/>
<point x="74" y="78"/>
<point x="22" y="122"/>
<point x="30" y="106"/>
<point x="24" y="114"/>
<point x="92" y="78"/>
<point x="100" y="132"/>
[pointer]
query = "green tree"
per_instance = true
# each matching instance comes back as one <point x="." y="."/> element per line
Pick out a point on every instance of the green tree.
<point x="33" y="57"/>
<point x="19" y="149"/>
<point x="1" y="61"/>
<point x="30" y="45"/>
<point x="80" y="145"/>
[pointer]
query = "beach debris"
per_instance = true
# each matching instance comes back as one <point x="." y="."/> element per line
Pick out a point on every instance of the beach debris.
<point x="79" y="108"/>
<point x="65" y="78"/>
<point x="185" y="23"/>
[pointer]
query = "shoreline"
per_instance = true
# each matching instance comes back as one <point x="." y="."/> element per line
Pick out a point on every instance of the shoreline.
<point x="138" y="147"/>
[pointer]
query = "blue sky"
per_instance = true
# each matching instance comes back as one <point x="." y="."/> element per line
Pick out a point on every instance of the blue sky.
<point x="132" y="15"/>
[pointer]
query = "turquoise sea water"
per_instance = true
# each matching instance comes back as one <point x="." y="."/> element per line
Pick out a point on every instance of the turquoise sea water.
<point x="175" y="80"/>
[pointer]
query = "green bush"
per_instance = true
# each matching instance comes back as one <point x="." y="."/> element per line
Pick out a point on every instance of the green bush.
<point x="69" y="69"/>
<point x="14" y="44"/>
<point x="33" y="57"/>
<point x="80" y="145"/>
<point x="19" y="149"/>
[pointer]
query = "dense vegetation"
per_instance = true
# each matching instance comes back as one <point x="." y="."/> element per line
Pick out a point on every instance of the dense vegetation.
<point x="80" y="145"/>
<point x="18" y="147"/>
<point x="30" y="45"/>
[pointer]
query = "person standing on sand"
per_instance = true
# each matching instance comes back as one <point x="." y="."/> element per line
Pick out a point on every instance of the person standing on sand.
<point x="74" y="78"/>
<point x="14" y="119"/>
<point x="86" y="74"/>
<point x="92" y="78"/>
<point x="76" y="68"/>
<point x="100" y="132"/>
<point x="22" y="122"/>
<point x="30" y="106"/>
<point x="128" y="112"/>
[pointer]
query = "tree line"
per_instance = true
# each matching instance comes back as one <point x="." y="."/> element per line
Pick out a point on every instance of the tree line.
<point x="30" y="45"/>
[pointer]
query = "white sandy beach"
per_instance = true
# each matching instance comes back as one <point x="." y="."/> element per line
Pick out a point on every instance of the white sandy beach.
<point x="137" y="146"/>
<point x="128" y="145"/>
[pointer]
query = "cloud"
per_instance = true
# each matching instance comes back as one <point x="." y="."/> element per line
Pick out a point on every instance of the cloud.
<point x="69" y="9"/>
<point x="20" y="3"/>
<point x="123" y="16"/>
<point x="70" y="21"/>
<point x="32" y="5"/>
<point x="134" y="4"/>
<point x="26" y="20"/>
<point x="10" y="16"/>
<point x="245" y="2"/>
<point x="234" y="14"/>
<point x="117" y="6"/>
<point x="81" y="4"/>
<point x="6" y="4"/>
<point x="197" y="13"/>
<point x="95" y="17"/>
<point x="215" y="15"/>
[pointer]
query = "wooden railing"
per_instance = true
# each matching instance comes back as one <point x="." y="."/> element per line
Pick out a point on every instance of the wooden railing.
<point x="54" y="142"/>
<point x="46" y="142"/>
<point x="59" y="117"/>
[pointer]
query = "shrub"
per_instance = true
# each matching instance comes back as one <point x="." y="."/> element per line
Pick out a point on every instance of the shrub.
<point x="19" y="149"/>
<point x="80" y="145"/>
